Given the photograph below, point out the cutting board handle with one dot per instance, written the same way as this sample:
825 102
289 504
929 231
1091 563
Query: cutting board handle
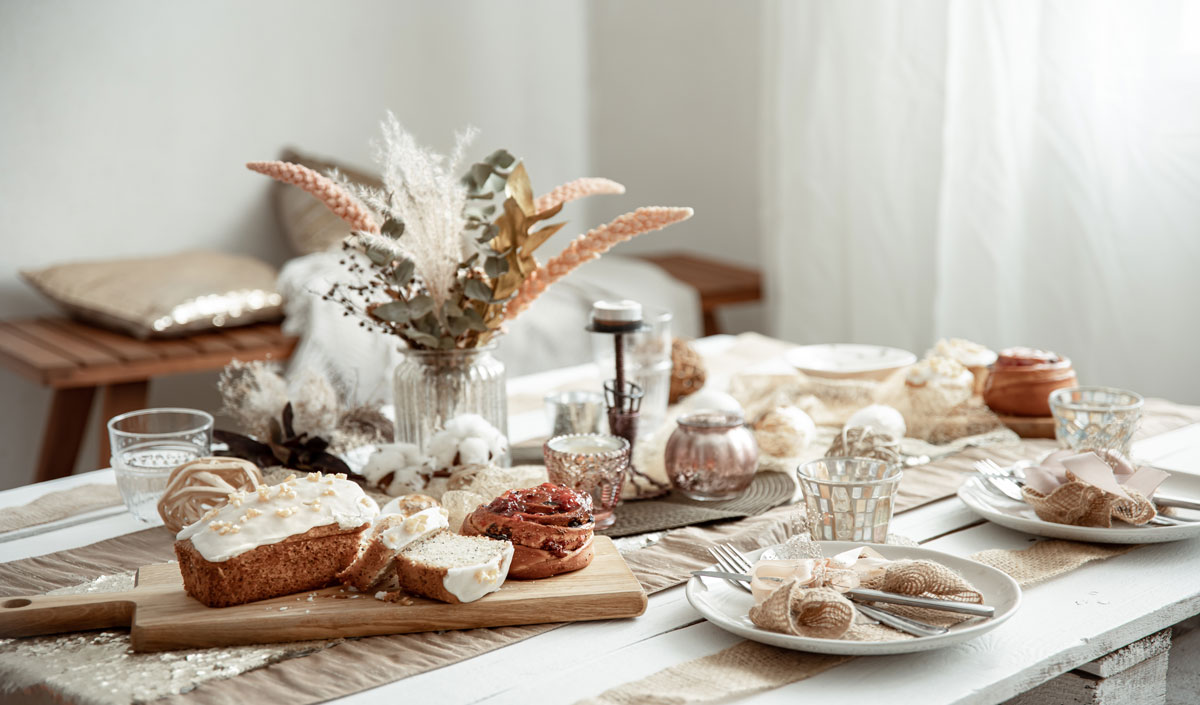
52 614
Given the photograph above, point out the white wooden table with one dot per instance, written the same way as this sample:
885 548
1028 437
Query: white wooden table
1061 625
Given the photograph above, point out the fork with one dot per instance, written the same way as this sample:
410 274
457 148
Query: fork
1000 479
733 561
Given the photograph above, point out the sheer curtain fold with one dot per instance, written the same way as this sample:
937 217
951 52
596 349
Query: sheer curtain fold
1018 173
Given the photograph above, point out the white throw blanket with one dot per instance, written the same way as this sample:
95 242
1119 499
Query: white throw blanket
549 335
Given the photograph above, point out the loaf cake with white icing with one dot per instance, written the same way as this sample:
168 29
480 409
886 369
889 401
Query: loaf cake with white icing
454 568
391 534
280 539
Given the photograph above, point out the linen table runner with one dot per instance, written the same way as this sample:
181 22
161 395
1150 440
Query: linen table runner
53 506
750 667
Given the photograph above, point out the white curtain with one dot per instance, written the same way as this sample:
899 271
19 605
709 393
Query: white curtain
1017 173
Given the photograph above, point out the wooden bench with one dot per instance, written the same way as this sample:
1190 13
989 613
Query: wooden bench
74 360
718 283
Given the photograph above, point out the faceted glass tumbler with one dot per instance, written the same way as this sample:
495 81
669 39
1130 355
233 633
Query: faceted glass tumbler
433 386
1096 418
849 499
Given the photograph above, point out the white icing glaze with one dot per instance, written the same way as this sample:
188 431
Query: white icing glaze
879 417
471 438
469 583
273 513
415 527
410 467
964 351
939 370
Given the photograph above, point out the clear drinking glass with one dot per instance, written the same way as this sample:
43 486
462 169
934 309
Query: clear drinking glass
147 445
576 411
591 463
849 499
1096 418
433 386
647 362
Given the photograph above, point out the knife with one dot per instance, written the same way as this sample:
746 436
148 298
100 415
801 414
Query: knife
878 596
1175 502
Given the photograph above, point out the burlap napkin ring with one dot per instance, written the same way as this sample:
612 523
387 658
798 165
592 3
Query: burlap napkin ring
818 613
1080 504
925 579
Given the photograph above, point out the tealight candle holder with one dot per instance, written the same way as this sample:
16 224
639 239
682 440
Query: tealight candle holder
593 463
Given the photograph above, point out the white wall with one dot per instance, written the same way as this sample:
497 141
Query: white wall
124 126
677 95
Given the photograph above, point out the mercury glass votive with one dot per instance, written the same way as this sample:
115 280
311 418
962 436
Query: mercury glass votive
849 499
1096 418
711 455
576 411
593 463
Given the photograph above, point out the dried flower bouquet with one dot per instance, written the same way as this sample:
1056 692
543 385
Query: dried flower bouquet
434 259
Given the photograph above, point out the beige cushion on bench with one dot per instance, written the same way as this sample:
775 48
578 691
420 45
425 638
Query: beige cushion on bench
164 296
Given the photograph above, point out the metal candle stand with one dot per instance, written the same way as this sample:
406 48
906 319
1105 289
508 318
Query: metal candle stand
623 398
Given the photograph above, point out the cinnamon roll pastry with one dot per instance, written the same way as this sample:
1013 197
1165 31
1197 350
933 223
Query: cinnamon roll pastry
550 527
1022 379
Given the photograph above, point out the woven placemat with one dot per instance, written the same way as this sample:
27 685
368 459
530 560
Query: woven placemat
767 491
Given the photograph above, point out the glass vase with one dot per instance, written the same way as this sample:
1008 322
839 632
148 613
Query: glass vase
432 387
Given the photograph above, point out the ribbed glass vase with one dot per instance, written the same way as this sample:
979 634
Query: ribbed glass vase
433 386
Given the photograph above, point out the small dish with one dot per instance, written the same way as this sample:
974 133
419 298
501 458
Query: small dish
1019 516
849 360
728 607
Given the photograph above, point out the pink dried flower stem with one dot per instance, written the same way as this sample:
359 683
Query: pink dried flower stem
590 246
335 198
579 188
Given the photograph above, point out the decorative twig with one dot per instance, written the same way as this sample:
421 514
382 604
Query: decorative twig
589 247
579 188
337 199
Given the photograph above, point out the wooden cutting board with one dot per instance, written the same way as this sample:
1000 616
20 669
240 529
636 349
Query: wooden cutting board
161 616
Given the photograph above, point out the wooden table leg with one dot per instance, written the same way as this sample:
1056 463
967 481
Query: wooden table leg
711 327
118 399
65 426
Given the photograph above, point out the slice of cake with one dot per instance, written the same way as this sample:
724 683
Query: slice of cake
280 539
392 533
454 568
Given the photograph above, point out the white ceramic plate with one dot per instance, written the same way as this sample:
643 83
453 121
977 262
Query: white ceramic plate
728 607
1019 516
842 360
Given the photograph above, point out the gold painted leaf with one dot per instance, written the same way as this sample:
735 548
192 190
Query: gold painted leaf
539 237
519 189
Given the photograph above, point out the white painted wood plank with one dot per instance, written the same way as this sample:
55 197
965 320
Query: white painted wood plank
526 661
934 519
1180 443
71 537
27 493
593 674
